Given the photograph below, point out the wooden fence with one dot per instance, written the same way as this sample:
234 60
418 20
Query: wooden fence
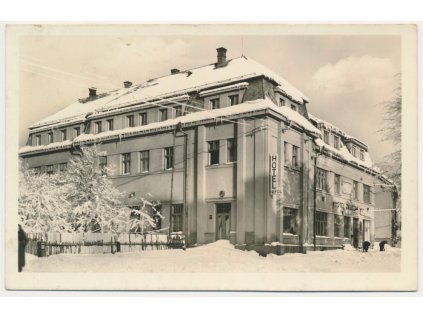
47 244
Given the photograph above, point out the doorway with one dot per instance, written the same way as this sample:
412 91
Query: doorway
366 228
223 221
355 232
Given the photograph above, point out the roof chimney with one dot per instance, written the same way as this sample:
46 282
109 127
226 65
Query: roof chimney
174 71
93 91
221 56
127 84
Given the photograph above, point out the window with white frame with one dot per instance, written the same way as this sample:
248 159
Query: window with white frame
63 135
326 136
355 190
97 127
361 154
126 163
336 142
366 193
144 161
215 103
130 121
38 140
177 216
143 119
233 100
49 138
110 124
63 166
354 151
337 184
337 224
102 164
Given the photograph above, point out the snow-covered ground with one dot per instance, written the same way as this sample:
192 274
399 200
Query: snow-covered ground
220 256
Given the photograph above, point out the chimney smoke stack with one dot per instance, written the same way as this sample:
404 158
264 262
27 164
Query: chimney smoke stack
221 56
127 84
92 91
174 71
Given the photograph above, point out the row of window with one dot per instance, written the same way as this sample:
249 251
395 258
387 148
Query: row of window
232 100
322 184
63 136
291 155
282 102
290 223
176 218
214 151
50 169
356 152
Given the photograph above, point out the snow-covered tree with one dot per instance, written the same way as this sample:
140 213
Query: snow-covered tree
42 204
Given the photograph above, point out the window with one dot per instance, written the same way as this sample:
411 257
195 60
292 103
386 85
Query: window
177 213
223 208
63 167
37 170
290 224
38 140
63 136
178 111
168 158
336 142
355 190
281 102
76 131
233 100
326 136
110 124
98 127
130 121
144 161
162 114
337 225
354 151
366 193
361 154
143 119
293 107
126 163
49 169
49 138
347 232
285 153
214 152
215 103
321 223
321 179
337 184
231 150
102 164
294 157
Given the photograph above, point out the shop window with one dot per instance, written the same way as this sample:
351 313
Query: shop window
231 143
214 152
177 217
347 231
168 158
143 119
126 163
110 125
233 100
337 225
321 179
321 223
215 103
290 223
144 161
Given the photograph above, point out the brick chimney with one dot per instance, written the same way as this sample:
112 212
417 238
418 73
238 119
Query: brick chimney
127 84
174 71
92 91
221 56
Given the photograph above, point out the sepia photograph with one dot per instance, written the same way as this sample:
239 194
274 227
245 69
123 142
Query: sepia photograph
211 157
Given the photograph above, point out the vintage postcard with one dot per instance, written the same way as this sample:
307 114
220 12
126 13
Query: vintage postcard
211 157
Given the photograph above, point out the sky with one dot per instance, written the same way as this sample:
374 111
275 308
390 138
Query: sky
346 77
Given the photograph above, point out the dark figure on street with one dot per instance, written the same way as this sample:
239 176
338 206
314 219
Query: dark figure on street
382 246
366 245
21 248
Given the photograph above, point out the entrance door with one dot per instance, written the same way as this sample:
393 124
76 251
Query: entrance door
355 232
223 221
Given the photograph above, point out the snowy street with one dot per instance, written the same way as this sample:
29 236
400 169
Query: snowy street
219 256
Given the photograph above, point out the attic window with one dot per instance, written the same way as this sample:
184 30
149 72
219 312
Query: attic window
233 99
354 151
293 107
215 103
326 136
362 154
336 142
281 102
38 140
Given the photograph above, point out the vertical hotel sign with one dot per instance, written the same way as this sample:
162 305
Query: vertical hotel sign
274 175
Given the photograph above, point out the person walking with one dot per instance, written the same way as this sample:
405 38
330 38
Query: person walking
22 240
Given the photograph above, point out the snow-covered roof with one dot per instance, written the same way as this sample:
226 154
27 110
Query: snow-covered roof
196 79
192 118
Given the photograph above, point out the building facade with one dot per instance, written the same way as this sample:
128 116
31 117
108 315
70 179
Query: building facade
230 151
